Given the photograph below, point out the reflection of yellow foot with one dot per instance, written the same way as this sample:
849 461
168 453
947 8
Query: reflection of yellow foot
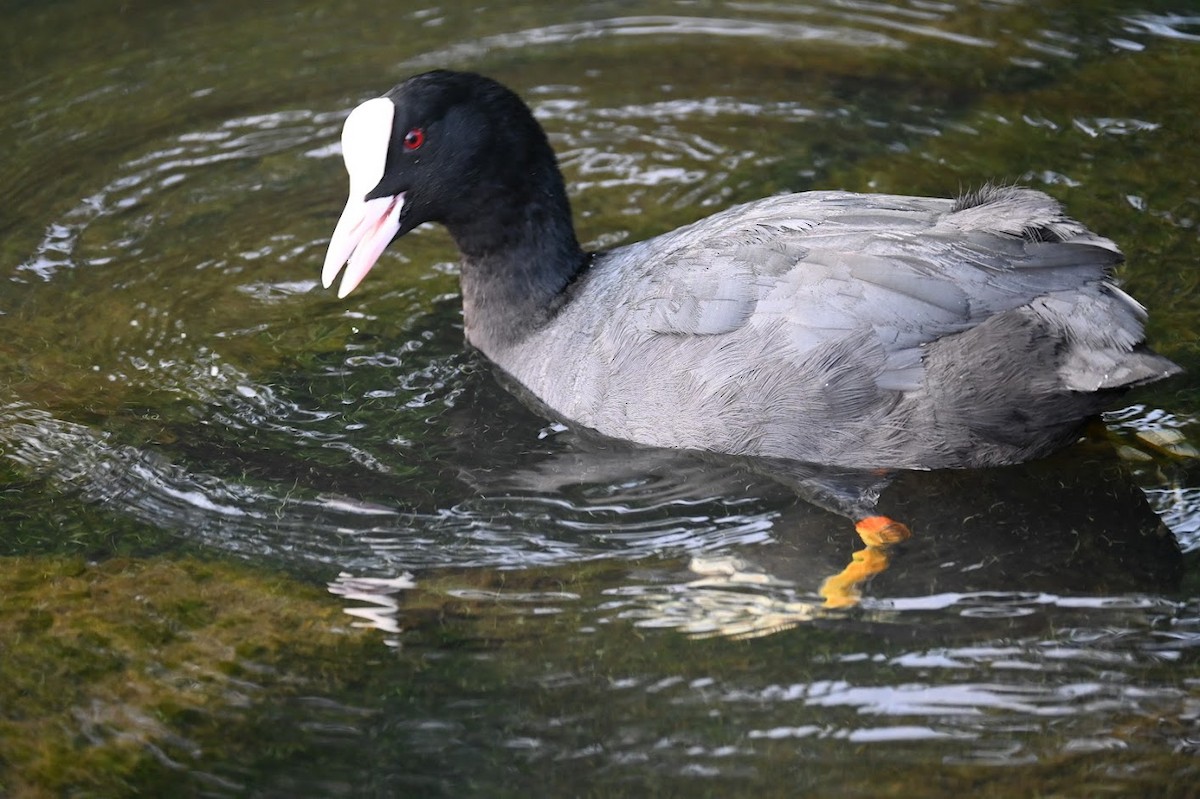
878 531
842 589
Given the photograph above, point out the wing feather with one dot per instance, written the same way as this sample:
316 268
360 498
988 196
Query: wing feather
825 265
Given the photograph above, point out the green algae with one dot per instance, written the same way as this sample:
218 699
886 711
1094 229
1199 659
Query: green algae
118 672
152 676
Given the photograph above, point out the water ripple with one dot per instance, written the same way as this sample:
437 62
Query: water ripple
1178 27
875 15
291 522
652 26
144 179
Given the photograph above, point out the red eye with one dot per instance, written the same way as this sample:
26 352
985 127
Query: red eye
414 139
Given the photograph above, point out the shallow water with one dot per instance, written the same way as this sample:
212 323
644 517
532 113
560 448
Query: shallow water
259 541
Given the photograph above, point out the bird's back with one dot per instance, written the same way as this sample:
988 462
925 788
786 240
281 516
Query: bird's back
861 330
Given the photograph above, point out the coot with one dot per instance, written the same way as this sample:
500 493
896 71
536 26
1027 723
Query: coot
859 330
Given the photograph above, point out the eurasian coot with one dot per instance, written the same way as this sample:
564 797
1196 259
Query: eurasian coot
859 330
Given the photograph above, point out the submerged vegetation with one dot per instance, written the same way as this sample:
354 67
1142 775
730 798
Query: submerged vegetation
120 674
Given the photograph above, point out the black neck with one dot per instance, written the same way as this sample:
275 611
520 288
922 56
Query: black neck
519 255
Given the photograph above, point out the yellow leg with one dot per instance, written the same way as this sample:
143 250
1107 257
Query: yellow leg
843 589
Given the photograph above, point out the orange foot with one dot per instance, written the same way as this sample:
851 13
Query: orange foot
843 589
879 531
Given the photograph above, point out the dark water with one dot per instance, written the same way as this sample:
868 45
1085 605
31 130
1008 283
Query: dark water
255 540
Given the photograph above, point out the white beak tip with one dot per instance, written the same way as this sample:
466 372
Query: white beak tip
362 233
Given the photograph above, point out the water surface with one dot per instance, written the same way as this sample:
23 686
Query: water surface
259 541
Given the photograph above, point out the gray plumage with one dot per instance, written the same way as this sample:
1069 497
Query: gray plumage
833 328
846 329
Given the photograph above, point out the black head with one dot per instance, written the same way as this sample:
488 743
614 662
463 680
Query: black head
449 147
461 145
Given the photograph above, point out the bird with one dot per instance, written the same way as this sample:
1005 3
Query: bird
865 331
